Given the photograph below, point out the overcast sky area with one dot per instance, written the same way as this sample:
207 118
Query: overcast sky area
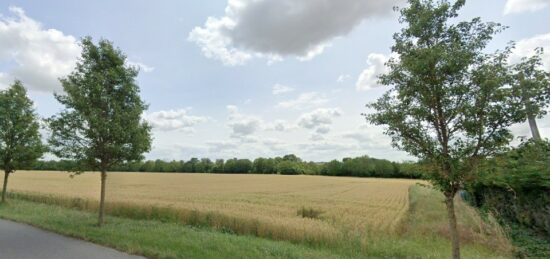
244 78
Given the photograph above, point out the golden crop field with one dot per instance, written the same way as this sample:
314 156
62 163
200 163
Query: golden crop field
358 204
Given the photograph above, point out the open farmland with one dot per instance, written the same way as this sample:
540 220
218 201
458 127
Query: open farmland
356 216
271 201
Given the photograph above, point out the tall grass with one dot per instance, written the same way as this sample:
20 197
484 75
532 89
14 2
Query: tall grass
420 232
210 219
427 218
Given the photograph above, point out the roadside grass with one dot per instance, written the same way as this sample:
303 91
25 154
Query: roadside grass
155 239
155 233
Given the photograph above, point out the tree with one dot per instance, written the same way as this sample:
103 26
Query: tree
289 167
101 125
531 86
20 141
449 103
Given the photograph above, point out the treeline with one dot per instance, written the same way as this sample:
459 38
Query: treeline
287 165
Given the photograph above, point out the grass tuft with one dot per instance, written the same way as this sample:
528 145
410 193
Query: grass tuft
309 213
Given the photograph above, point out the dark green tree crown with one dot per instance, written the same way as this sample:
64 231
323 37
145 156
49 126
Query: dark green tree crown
450 101
20 140
101 125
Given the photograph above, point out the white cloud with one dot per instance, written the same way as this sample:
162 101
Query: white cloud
342 78
280 125
304 101
520 6
173 120
369 137
319 119
368 79
220 146
39 55
142 67
526 48
322 129
279 28
281 89
242 125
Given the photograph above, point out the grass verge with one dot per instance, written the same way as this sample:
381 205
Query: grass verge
155 239
159 233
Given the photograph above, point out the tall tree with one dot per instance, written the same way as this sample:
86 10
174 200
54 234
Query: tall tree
101 125
532 88
20 141
449 103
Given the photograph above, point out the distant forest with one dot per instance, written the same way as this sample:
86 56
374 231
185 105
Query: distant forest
363 166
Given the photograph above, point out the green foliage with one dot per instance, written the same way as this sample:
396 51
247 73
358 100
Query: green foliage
238 166
449 104
289 167
101 125
531 85
516 186
264 166
358 167
20 141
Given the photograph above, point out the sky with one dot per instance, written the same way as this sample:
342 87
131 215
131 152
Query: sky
244 78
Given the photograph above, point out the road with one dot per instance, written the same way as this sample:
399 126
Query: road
19 241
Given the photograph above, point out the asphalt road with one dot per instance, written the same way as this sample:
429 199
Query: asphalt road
19 241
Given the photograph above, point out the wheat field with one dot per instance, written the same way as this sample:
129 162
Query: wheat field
272 202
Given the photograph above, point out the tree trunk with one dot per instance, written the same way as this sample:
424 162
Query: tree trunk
4 190
453 230
102 199
534 128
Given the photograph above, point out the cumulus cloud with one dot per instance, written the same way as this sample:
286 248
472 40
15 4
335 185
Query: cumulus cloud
36 55
368 137
242 125
218 146
281 89
520 6
173 120
279 28
279 125
304 101
319 119
368 79
526 48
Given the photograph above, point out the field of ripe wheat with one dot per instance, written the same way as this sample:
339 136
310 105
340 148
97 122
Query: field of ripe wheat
282 207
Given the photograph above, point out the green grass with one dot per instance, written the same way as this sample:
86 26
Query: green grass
422 235
480 237
530 243
153 238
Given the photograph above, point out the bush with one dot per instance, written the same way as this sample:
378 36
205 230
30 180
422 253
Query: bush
516 186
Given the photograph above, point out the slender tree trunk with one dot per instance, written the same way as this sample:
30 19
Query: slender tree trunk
455 241
4 190
534 128
102 199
